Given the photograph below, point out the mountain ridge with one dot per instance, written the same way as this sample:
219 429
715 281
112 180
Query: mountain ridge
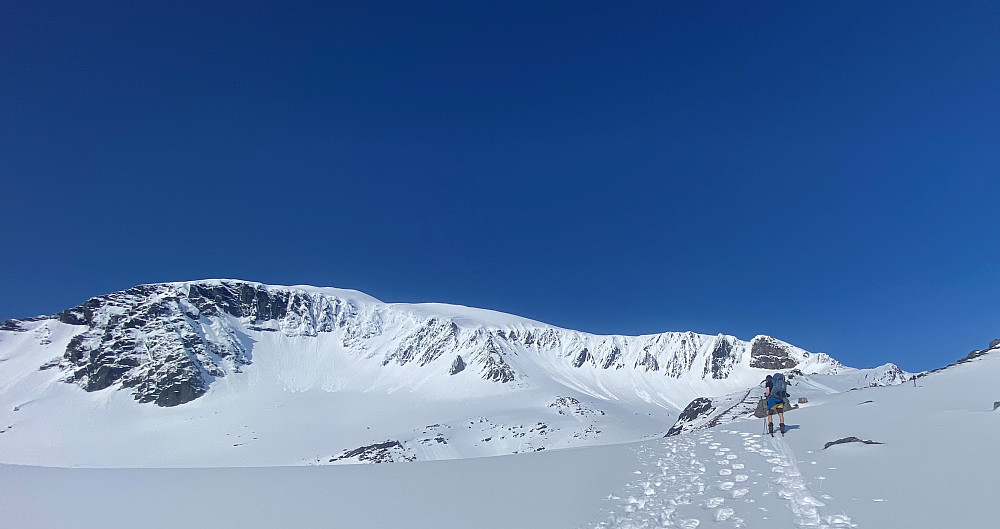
168 342
216 372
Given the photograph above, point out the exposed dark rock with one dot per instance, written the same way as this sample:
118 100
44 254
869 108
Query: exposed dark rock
457 366
144 338
683 360
582 358
767 353
612 358
385 452
849 440
994 344
546 339
721 361
429 341
494 366
696 408
572 406
649 362
83 314
12 325
240 299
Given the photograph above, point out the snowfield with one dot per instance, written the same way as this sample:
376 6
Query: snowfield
295 395
257 375
935 434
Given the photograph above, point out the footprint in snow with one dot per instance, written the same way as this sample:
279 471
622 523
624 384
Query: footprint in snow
681 499
809 501
712 503
724 514
727 485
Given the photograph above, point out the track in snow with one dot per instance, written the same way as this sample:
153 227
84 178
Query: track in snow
716 479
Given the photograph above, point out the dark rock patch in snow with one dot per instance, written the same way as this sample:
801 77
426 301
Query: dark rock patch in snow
385 452
698 407
850 440
457 366
583 358
572 406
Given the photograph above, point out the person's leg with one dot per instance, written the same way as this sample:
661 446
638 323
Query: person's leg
781 416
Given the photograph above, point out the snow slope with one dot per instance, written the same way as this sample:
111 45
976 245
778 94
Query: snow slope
225 373
935 468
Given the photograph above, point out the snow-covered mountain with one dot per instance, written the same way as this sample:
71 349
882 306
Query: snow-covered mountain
356 378
874 457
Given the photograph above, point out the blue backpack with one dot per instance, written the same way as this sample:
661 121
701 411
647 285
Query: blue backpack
779 388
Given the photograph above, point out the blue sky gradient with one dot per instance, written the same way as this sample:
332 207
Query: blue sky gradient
824 172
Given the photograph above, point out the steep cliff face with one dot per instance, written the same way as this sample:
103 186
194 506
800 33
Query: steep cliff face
165 345
168 342
768 353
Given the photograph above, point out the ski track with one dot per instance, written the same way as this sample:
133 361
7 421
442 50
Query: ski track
695 480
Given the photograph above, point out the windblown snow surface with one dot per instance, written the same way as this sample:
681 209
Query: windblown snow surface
256 450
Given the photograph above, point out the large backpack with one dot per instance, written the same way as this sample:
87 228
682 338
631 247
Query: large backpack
779 389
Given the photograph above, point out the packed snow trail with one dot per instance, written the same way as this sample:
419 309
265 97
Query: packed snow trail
804 506
715 478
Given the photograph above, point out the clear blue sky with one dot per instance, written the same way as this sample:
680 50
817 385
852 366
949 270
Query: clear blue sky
824 172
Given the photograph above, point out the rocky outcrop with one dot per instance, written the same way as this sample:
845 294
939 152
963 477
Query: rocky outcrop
18 325
722 359
154 340
768 353
426 343
849 440
457 366
695 410
386 452
582 358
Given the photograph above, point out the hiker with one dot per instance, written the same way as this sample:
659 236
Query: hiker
775 401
